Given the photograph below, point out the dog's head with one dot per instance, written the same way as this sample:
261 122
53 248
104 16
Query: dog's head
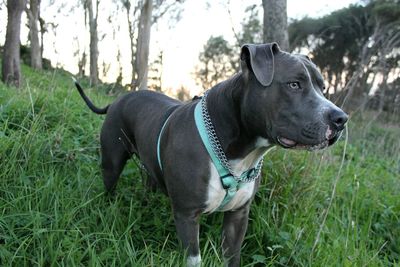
284 100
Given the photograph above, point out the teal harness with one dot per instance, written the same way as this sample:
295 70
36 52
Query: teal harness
168 113
230 182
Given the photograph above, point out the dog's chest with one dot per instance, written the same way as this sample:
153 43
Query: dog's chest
216 193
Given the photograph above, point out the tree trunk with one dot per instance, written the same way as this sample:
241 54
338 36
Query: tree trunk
94 50
275 23
143 45
33 19
131 29
43 30
11 70
82 65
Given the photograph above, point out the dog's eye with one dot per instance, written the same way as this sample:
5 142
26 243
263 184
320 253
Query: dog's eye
294 85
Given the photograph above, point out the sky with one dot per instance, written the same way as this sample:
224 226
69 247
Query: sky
181 43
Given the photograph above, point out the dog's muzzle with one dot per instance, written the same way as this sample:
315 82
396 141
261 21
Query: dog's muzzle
318 138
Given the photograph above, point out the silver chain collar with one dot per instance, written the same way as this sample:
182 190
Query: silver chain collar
217 148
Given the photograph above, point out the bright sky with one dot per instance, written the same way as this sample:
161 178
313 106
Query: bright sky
180 44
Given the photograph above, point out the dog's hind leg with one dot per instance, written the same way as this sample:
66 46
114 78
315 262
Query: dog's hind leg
112 168
113 159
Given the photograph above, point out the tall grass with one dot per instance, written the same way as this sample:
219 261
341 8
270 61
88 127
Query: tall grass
53 210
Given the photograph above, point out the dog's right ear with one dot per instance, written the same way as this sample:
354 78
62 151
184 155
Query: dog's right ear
259 59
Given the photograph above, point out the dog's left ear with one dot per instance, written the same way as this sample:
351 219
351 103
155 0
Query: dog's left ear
259 59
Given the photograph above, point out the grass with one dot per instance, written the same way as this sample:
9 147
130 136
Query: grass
53 210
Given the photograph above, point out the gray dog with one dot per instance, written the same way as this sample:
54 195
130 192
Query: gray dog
206 155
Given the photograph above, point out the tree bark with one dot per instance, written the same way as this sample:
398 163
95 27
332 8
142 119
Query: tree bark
81 65
131 29
275 23
143 45
33 19
11 70
94 40
43 30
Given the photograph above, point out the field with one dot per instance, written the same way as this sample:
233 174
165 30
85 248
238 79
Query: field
337 207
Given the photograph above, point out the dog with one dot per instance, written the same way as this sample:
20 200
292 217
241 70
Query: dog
206 155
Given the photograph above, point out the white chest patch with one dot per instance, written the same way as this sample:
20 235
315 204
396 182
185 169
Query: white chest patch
216 193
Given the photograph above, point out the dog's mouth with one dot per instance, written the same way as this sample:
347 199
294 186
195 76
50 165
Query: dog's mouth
289 143
330 138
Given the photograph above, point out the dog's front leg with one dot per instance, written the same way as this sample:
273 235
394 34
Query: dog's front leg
187 227
234 229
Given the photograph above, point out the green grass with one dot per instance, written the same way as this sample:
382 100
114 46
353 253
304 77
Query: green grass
53 210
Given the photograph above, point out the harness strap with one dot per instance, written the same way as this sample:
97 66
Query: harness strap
198 117
231 186
168 116
229 183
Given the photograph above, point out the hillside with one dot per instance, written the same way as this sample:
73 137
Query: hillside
53 210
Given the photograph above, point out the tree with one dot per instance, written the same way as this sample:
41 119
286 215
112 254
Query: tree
140 18
132 21
355 47
48 27
33 12
156 72
252 29
143 44
94 40
11 70
43 30
183 94
216 62
219 59
275 22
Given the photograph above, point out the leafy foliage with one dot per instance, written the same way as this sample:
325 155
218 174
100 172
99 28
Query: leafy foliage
252 28
354 47
216 63
219 59
335 39
155 73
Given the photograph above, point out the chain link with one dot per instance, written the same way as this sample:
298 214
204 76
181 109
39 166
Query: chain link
217 148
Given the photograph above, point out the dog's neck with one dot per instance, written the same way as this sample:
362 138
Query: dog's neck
235 139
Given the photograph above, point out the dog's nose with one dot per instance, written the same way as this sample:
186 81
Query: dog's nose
338 119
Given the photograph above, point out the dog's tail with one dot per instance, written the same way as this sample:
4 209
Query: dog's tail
88 102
